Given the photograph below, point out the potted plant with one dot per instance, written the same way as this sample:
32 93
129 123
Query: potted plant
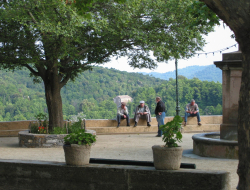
168 156
77 147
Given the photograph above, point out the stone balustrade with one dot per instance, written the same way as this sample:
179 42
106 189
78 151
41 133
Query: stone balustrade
108 126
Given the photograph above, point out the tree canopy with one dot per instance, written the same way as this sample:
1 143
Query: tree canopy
56 43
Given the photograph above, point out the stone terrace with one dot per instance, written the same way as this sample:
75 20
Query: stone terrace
108 126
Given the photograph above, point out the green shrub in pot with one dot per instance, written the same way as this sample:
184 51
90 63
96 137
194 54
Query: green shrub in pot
80 138
172 132
168 156
77 147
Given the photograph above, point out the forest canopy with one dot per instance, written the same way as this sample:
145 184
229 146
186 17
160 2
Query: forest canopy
93 92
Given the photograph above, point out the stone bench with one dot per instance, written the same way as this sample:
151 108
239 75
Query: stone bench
209 123
205 119
108 126
18 174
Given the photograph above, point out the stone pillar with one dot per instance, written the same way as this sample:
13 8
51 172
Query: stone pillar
231 66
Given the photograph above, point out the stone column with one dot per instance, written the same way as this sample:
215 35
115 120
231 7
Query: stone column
231 66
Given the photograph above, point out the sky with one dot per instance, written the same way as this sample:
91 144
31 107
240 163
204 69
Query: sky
217 40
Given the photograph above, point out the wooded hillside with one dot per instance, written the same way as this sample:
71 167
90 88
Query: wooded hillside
93 92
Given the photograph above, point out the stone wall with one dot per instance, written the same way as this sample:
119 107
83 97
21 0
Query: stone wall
29 175
12 128
31 140
108 126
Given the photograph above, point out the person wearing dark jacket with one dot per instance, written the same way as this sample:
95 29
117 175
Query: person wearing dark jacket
160 114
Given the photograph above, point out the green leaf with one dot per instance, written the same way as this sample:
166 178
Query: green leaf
171 132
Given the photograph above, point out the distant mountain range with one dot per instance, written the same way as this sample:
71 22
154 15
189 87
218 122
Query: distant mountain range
208 73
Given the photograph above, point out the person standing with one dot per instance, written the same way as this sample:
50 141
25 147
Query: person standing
160 114
122 113
142 111
192 110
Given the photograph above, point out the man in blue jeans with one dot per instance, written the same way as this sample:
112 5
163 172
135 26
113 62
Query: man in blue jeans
192 110
160 114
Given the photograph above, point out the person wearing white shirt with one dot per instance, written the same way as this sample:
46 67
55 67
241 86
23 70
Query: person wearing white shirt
122 113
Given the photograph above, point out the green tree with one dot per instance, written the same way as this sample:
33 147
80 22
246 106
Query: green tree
209 110
2 112
19 117
218 110
189 89
7 117
55 41
87 107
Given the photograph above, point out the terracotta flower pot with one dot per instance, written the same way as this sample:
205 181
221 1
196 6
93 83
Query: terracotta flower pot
77 155
166 158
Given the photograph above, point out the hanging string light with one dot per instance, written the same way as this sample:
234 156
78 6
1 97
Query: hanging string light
220 50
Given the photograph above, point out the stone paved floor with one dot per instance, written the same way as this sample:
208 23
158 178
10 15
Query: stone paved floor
127 147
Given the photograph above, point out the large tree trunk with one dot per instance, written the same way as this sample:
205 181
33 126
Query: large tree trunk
54 104
53 99
244 120
235 13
